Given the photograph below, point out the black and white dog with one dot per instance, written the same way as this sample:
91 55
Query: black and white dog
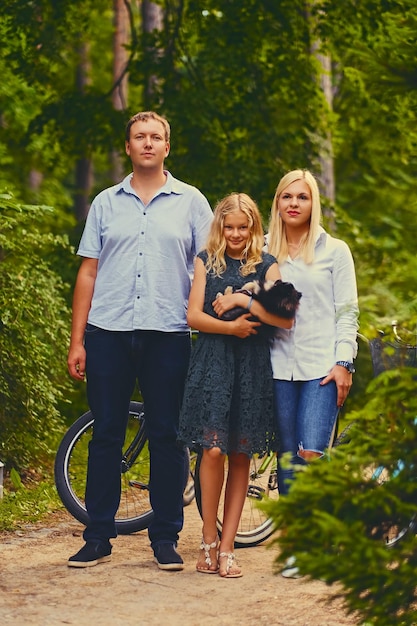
279 298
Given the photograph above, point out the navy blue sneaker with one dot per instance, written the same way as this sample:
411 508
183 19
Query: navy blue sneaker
166 556
91 554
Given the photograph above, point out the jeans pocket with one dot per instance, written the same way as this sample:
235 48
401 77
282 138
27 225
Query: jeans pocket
90 329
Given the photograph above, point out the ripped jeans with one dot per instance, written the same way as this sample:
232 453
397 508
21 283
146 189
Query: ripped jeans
305 414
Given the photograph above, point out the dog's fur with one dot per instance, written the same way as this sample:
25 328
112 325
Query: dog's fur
279 298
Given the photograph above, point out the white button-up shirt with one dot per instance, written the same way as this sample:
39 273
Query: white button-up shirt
145 254
326 321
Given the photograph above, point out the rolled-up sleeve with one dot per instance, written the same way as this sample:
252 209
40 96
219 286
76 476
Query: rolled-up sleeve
346 304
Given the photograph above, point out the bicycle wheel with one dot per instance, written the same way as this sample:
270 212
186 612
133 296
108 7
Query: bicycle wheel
189 489
254 526
392 527
70 470
397 533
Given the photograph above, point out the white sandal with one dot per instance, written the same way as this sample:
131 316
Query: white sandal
231 560
206 547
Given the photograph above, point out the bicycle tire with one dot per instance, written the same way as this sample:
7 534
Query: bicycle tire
391 528
344 437
255 526
70 470
189 488
398 533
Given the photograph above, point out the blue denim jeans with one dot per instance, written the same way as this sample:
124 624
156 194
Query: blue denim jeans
115 362
306 414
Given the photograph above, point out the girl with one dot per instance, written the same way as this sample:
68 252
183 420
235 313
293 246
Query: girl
312 362
228 400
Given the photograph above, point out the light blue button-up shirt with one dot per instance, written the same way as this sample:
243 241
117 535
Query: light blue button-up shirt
145 255
326 321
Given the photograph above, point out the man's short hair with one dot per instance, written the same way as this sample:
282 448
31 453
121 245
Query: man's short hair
144 116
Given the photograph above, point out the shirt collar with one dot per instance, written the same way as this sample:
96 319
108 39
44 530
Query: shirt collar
321 233
172 185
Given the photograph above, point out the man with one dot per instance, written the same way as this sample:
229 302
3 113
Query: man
129 324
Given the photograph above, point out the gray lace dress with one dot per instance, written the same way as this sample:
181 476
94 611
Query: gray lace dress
228 398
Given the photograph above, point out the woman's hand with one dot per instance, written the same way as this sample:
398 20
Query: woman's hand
343 380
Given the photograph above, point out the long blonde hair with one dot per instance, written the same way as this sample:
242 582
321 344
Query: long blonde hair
277 238
216 243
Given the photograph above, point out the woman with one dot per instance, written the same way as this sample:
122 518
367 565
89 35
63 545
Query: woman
313 361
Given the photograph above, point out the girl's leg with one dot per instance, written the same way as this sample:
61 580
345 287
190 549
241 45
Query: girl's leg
234 499
211 483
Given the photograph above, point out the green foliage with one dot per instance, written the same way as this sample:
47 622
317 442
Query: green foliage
26 504
47 122
243 130
337 513
241 87
34 328
372 45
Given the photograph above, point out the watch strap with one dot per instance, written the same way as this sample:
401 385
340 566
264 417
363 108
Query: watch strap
347 365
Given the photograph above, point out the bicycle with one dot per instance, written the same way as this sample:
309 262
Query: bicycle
255 526
70 471
135 512
389 354
394 529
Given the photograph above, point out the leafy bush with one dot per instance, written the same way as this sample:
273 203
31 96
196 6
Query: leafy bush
335 518
34 326
25 503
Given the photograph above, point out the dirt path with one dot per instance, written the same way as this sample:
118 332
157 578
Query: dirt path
38 589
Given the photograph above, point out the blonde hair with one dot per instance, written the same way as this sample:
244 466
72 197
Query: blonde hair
277 238
216 243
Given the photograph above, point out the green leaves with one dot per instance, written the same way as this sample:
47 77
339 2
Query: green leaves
26 505
338 513
34 326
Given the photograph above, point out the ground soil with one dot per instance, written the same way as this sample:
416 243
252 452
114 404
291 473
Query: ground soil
38 589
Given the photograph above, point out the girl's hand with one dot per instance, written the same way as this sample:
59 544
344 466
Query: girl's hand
226 302
242 327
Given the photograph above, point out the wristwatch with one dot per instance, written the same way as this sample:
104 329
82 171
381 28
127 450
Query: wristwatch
348 365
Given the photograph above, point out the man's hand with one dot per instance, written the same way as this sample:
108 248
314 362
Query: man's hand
76 362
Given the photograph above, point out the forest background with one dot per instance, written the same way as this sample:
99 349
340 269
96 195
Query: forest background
252 89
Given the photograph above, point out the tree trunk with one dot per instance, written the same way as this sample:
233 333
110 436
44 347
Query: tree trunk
326 160
83 183
120 75
152 19
83 166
